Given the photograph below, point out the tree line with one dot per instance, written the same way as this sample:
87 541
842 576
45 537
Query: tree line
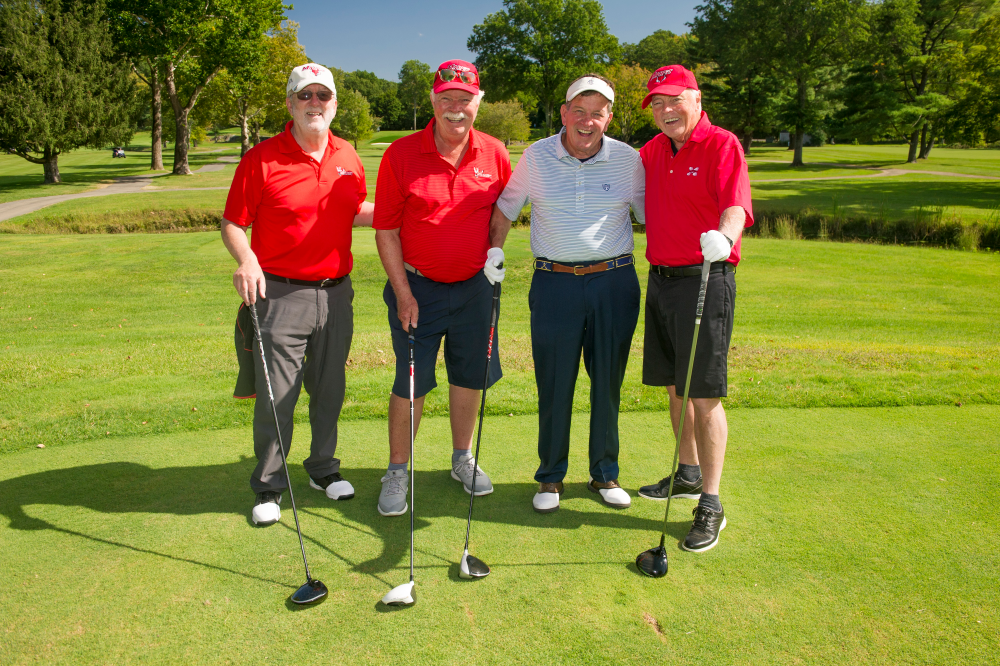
79 73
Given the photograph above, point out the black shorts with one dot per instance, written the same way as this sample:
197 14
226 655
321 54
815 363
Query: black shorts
459 312
671 304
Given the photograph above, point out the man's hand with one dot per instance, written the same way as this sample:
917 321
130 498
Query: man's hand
494 265
715 246
247 279
407 310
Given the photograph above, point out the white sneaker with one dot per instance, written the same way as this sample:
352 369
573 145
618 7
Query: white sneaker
392 498
463 471
336 487
546 500
266 510
612 494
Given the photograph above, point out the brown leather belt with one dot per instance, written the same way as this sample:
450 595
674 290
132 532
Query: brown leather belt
584 268
322 284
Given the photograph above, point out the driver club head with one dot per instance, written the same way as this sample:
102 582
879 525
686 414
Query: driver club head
401 595
652 562
473 567
313 592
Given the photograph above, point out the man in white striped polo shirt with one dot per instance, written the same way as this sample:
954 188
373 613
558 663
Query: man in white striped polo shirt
584 293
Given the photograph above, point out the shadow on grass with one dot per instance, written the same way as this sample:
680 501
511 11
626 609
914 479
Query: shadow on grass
123 487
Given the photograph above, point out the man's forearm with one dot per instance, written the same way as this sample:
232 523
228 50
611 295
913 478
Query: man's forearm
234 237
732 221
365 215
390 251
499 227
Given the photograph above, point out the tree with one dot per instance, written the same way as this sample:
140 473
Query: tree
415 81
661 48
980 120
630 89
246 96
62 86
740 87
354 121
539 46
195 39
505 121
804 40
381 95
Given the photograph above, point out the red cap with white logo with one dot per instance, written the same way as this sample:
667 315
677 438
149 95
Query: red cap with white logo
456 74
670 80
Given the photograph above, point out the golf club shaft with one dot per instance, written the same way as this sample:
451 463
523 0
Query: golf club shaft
411 342
277 429
702 290
495 308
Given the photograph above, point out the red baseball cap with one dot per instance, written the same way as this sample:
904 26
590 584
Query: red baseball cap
670 80
456 74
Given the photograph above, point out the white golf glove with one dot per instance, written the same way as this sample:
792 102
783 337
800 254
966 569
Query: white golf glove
494 261
715 246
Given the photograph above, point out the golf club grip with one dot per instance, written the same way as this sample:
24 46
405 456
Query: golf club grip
703 289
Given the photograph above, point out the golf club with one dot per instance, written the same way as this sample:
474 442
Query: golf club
313 592
402 595
473 567
653 562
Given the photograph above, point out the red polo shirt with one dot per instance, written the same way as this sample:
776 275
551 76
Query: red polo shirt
687 192
443 213
302 211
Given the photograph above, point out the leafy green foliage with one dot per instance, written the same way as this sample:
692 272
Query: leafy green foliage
381 96
415 81
505 121
539 46
354 121
660 49
62 85
630 119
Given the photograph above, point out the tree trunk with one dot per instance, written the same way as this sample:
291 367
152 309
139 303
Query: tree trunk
548 117
244 134
914 145
414 118
798 140
925 148
156 159
50 164
255 132
747 140
182 135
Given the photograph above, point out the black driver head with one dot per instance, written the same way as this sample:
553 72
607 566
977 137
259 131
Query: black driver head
474 568
653 562
313 592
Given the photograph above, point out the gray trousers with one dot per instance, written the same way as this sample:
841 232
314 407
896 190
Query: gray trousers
307 337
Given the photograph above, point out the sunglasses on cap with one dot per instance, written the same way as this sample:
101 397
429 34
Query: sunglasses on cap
321 95
448 75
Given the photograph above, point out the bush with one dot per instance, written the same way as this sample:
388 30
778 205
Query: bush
132 221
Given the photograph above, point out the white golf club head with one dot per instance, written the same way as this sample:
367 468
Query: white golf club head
472 567
401 595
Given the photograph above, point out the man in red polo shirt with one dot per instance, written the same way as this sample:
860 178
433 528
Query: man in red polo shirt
302 191
433 201
697 204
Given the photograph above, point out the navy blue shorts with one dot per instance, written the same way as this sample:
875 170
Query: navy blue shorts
460 313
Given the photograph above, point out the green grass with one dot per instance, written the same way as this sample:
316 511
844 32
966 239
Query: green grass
973 162
126 334
856 536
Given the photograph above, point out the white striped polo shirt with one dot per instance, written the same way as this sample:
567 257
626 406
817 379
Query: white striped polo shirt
579 210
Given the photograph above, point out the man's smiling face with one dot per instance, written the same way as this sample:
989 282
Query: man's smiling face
313 115
677 116
586 118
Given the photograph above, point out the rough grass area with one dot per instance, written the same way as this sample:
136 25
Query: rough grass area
855 536
129 220
130 334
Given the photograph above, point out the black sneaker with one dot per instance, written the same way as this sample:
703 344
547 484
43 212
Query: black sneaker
336 486
704 532
682 489
265 509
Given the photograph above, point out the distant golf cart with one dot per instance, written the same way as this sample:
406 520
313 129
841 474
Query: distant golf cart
118 151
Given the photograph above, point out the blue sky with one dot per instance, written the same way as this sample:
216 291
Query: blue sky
380 36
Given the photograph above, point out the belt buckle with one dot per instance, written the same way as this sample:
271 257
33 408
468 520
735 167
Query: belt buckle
326 282
578 266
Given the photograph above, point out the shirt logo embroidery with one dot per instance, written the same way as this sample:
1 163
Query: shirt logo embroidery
479 173
607 187
692 171
344 172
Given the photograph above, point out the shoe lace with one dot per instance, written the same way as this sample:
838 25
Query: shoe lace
702 517
396 485
469 467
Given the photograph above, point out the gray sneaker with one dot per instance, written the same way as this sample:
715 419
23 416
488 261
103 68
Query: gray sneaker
463 471
392 499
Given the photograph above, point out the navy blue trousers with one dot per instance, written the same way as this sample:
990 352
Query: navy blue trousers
594 314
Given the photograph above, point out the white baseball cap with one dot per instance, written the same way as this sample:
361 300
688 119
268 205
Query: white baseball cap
585 83
305 75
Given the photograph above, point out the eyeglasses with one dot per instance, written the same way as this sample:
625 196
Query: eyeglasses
321 95
449 75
